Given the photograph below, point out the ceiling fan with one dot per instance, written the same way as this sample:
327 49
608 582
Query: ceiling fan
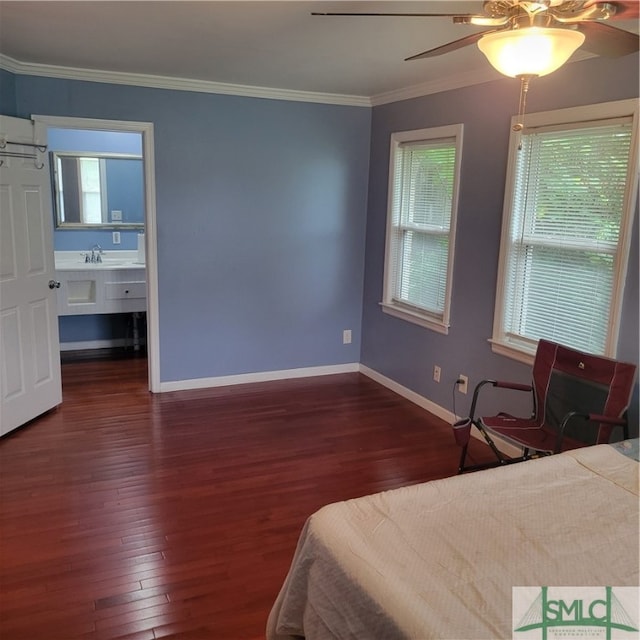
584 18
531 38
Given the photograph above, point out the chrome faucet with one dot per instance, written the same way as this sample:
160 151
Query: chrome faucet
96 254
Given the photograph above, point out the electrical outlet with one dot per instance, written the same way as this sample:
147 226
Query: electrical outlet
436 373
346 336
116 216
116 237
463 383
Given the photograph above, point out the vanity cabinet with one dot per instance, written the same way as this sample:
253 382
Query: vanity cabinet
101 290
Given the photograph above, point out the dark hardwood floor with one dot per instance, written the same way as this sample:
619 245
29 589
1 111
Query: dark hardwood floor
130 515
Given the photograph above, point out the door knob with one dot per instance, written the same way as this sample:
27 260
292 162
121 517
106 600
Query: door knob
54 284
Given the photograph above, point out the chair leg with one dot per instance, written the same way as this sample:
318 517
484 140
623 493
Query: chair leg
491 443
463 455
500 459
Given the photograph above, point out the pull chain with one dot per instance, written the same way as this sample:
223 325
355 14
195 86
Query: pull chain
524 89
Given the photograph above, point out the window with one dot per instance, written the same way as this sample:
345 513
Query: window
423 193
566 227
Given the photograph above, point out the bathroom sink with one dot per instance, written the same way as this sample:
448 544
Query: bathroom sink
71 260
107 263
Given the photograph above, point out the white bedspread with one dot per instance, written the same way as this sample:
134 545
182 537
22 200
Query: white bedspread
439 560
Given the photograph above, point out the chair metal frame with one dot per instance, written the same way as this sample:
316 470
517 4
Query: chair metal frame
533 435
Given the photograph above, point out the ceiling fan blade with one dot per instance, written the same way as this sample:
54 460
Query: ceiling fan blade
625 9
450 46
608 41
399 15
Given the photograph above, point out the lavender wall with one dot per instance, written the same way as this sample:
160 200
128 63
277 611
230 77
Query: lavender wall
125 188
407 353
98 327
261 212
7 93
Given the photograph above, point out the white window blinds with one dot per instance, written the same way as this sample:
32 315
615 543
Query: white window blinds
566 216
421 213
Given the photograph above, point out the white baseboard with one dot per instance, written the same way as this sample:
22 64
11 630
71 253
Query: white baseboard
261 376
432 407
416 398
94 344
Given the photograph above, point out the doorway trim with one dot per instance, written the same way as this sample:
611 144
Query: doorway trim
151 252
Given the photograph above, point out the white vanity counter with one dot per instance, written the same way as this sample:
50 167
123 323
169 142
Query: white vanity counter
75 260
115 285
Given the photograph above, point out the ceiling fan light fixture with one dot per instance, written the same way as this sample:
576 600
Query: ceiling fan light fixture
530 51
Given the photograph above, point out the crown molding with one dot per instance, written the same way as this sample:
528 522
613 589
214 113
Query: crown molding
8 64
456 81
177 84
439 85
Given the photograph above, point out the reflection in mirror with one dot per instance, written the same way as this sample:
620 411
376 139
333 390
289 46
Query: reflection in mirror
95 190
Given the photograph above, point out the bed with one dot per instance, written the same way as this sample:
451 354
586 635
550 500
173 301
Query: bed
439 560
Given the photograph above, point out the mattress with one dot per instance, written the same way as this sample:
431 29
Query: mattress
439 560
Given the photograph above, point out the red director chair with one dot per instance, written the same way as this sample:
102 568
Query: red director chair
578 399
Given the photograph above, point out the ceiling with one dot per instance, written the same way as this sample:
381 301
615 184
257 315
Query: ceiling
275 45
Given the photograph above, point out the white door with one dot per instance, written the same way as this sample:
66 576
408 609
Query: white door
30 381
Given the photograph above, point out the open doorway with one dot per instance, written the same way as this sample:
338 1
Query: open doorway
108 229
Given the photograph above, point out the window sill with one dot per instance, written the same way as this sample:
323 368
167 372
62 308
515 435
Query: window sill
521 354
415 318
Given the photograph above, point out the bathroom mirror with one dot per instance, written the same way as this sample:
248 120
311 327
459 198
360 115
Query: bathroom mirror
98 190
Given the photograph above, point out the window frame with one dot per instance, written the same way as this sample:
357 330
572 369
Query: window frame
521 348
390 305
